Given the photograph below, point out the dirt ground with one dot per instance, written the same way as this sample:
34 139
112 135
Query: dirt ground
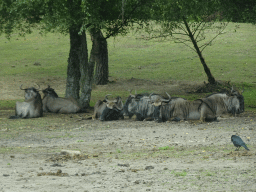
125 155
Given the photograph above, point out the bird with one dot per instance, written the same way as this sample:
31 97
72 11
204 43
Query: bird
238 142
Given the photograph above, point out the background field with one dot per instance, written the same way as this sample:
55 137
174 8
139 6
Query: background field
159 62
128 155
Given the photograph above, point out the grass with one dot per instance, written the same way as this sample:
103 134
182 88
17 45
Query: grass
178 174
230 58
166 148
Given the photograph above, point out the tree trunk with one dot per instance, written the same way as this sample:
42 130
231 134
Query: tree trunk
86 69
206 69
73 70
99 55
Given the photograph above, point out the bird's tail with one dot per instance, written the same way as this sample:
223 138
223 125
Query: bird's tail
246 147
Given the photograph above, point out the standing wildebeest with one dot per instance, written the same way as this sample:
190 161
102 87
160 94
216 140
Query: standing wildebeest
140 105
108 110
205 109
31 107
238 142
53 103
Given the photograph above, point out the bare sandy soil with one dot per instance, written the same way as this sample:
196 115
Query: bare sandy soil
125 155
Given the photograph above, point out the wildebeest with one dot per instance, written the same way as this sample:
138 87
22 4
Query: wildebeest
140 105
55 104
108 110
176 108
32 107
238 142
222 103
205 109
240 97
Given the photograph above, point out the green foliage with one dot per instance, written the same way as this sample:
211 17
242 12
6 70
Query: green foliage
239 11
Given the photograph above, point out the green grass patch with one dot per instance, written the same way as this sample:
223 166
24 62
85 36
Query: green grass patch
179 174
118 151
231 57
166 148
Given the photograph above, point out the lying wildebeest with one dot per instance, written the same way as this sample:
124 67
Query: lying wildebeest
32 106
140 105
222 103
108 110
175 107
55 104
205 109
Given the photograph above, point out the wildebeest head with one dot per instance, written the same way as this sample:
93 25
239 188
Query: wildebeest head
240 97
131 103
50 91
108 110
114 104
163 108
140 105
31 107
30 93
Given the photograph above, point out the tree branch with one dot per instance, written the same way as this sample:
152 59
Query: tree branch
220 33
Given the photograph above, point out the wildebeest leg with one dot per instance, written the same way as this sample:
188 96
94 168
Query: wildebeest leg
211 119
176 119
139 117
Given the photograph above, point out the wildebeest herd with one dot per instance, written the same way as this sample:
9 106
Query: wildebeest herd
144 106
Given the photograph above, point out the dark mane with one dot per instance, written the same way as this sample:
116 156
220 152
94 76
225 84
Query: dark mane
50 91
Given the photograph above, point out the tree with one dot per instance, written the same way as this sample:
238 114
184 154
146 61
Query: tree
239 11
114 20
99 56
187 21
73 17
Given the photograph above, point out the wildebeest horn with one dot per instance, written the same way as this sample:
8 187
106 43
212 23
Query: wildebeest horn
21 87
106 97
168 95
150 96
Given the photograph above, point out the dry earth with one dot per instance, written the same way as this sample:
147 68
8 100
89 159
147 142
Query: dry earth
125 155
